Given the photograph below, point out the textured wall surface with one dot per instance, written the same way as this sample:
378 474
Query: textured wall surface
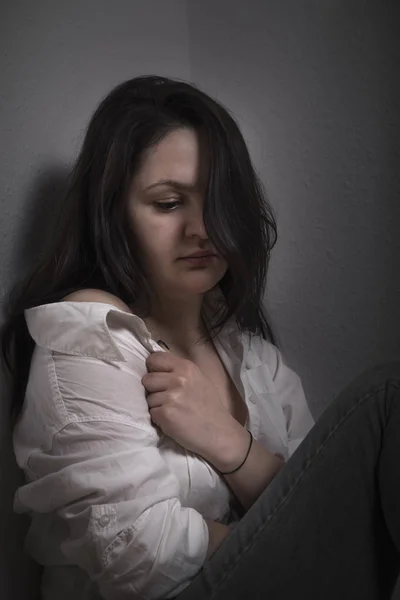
58 60
313 86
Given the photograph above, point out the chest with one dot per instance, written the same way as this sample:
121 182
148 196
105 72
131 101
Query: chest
211 365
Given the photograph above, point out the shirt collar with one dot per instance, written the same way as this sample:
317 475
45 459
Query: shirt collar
82 328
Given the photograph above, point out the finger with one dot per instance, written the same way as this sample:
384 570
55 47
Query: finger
155 382
155 401
155 415
165 361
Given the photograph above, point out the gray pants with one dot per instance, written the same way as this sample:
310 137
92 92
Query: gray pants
328 526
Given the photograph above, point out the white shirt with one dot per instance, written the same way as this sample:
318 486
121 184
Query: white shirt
118 507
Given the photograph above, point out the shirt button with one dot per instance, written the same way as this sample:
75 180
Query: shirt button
104 520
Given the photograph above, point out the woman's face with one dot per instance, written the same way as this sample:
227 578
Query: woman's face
168 233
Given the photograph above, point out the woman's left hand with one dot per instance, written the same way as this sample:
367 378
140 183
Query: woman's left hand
185 404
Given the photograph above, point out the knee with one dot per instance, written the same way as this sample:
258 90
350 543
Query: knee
385 371
377 375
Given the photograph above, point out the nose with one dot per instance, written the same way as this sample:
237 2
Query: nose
195 223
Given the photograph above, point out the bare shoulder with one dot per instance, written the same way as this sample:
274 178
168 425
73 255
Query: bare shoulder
93 295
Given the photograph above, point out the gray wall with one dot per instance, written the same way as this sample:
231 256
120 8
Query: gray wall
312 85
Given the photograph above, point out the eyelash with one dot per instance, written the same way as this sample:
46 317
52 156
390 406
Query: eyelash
164 206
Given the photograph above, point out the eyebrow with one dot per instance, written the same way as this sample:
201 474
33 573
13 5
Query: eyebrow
179 185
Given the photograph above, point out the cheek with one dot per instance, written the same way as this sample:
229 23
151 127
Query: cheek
159 246
158 236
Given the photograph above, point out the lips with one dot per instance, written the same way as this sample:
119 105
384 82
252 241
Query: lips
199 255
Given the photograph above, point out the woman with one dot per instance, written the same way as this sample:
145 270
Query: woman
168 450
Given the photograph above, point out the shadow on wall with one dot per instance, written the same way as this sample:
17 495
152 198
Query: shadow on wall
42 207
19 574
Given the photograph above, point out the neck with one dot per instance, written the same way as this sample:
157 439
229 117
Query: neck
179 326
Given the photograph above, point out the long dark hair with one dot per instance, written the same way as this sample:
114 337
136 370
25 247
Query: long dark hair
94 245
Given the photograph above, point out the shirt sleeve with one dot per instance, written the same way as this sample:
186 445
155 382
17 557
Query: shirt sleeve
299 420
289 390
104 477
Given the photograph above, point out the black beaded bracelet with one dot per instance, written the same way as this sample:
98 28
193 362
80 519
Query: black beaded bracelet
251 441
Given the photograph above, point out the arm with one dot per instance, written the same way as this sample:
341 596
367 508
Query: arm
101 472
217 533
261 465
255 474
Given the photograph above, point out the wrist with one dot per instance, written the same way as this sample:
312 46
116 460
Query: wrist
233 450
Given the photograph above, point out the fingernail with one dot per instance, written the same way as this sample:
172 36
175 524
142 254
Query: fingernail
161 343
